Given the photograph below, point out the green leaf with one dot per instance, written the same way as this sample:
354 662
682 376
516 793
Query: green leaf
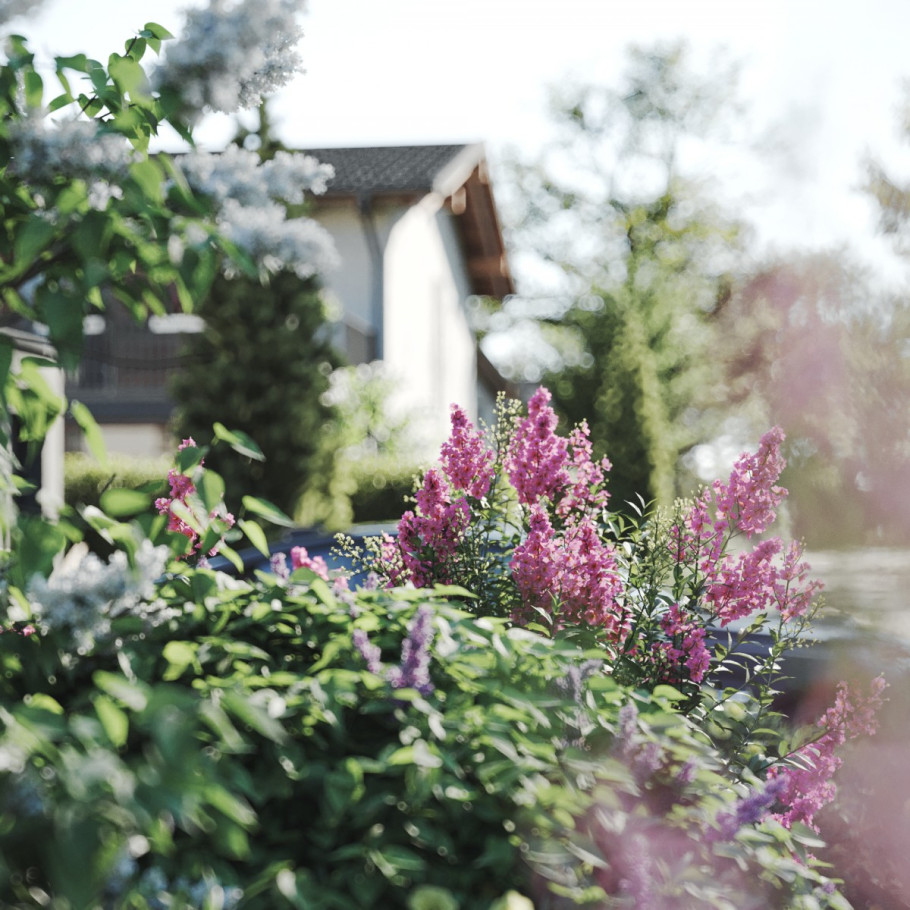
6 359
255 535
149 177
63 316
230 554
155 31
79 62
123 503
265 509
239 441
211 490
253 716
34 89
179 655
128 75
189 457
134 695
114 720
45 703
392 860
39 545
94 438
31 239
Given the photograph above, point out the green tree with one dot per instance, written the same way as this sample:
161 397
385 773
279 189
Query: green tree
641 257
261 366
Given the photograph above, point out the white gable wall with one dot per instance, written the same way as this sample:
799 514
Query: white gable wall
351 283
428 343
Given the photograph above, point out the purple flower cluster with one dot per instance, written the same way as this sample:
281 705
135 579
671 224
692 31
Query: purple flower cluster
809 787
413 672
414 669
750 810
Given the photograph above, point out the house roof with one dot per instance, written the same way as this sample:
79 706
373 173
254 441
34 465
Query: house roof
458 173
399 169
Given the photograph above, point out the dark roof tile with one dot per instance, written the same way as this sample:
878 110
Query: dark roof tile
386 169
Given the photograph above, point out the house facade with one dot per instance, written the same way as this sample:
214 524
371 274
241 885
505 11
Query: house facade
418 234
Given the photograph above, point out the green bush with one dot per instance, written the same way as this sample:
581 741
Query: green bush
85 479
381 488
206 742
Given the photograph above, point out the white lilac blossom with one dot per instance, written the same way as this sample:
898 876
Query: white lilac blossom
43 150
240 174
231 55
274 241
10 9
244 188
79 602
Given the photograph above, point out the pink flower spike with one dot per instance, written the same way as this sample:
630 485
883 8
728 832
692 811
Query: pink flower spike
750 500
537 458
809 787
467 463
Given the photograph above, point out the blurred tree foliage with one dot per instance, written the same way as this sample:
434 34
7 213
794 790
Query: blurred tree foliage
370 447
641 258
261 365
810 346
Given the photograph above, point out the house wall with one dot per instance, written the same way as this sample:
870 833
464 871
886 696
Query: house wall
355 284
428 343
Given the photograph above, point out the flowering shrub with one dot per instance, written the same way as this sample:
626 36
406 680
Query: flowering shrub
530 510
529 716
187 512
523 522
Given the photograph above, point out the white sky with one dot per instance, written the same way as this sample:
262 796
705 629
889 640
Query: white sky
822 75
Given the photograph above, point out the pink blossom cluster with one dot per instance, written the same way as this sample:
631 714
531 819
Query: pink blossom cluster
567 568
747 503
536 461
300 559
465 459
809 787
765 577
182 487
756 581
586 489
24 631
750 499
428 537
686 643
572 570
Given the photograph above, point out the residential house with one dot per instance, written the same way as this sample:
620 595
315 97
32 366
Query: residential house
418 234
